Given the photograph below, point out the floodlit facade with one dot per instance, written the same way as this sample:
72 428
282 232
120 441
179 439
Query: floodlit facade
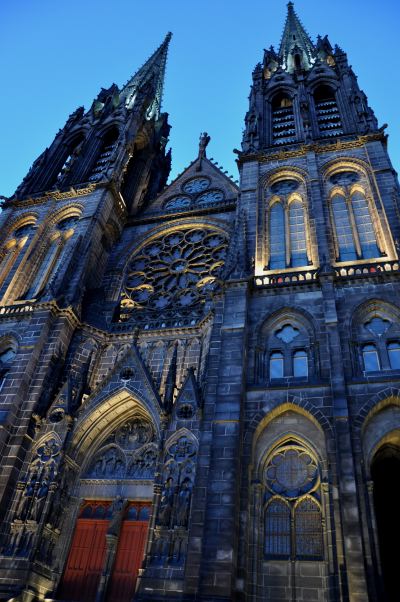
200 382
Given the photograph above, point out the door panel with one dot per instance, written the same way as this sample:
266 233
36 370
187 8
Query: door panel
128 560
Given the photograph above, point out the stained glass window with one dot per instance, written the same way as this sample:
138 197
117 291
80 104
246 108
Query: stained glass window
277 529
308 529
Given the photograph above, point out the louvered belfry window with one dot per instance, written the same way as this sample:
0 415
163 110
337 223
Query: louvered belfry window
283 124
327 111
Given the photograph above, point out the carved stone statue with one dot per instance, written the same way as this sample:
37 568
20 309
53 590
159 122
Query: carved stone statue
183 504
203 143
166 503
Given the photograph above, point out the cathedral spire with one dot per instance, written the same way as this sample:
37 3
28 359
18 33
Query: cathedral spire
296 50
152 74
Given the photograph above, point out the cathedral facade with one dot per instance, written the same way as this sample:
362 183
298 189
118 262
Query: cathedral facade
200 381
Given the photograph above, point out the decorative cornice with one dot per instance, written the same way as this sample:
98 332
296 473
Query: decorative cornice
52 195
315 147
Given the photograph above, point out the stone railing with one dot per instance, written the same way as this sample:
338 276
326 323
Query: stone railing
366 269
287 278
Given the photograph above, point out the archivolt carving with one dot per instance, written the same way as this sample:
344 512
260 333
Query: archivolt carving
128 446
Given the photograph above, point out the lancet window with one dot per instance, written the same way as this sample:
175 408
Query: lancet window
104 154
356 227
292 507
287 230
53 256
12 249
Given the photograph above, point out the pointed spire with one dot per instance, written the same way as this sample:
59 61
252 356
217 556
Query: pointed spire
295 41
151 73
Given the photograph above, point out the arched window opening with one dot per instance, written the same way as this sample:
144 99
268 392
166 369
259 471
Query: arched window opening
277 529
327 111
133 177
276 367
12 251
300 363
385 469
370 358
53 257
393 350
69 158
293 517
364 225
283 124
297 230
308 529
344 232
103 157
297 61
277 237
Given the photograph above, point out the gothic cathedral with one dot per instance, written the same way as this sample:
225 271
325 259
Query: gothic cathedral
200 382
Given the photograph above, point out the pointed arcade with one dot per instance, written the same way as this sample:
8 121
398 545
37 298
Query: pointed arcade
295 40
153 73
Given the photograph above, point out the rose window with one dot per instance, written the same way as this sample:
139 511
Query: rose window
174 273
291 472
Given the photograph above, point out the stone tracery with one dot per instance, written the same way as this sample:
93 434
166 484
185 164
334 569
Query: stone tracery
175 273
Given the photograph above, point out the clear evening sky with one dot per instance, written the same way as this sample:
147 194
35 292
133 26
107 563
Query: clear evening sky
56 55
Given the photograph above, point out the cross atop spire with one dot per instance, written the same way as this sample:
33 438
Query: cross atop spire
151 73
296 50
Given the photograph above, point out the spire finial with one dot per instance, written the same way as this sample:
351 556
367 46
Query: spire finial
152 72
297 49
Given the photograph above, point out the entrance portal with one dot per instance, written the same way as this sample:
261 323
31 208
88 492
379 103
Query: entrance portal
87 555
386 476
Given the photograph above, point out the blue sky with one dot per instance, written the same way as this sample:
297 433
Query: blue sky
56 55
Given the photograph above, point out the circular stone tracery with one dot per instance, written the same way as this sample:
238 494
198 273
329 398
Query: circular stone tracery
291 472
176 272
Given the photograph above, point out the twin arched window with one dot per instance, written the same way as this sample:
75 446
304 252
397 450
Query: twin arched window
287 353
288 234
355 230
378 344
292 515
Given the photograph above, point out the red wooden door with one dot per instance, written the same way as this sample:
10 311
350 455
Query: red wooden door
85 561
129 556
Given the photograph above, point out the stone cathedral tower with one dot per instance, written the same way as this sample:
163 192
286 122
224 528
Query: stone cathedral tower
200 382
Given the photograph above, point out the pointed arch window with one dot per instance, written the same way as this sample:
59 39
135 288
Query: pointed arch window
288 233
344 231
68 159
277 527
53 256
282 118
293 516
327 111
355 232
297 230
308 529
277 237
13 248
300 363
364 225
104 154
